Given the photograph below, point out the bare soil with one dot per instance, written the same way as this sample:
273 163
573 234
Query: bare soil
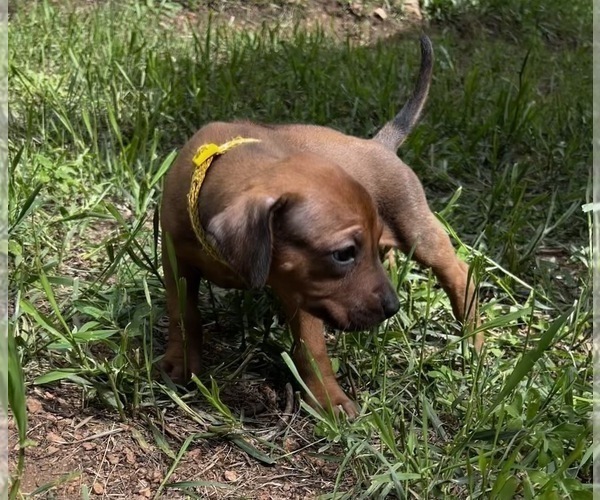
74 447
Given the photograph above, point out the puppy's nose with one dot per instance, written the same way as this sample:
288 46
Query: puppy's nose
390 304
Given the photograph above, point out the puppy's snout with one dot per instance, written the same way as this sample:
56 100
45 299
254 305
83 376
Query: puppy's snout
390 304
388 299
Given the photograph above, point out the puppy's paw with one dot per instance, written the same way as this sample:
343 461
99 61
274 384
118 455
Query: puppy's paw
333 397
175 370
178 366
349 407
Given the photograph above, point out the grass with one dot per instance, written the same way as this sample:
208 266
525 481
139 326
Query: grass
101 97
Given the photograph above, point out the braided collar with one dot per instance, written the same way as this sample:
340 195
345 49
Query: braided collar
202 161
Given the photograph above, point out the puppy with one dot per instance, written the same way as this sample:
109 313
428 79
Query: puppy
303 209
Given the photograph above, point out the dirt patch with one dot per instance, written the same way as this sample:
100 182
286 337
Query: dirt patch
73 448
362 21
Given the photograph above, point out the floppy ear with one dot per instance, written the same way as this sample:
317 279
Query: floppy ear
243 234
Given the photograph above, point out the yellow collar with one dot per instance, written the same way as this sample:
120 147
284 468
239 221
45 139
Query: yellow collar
202 161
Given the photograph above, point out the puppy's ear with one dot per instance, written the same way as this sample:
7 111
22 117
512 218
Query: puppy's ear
243 235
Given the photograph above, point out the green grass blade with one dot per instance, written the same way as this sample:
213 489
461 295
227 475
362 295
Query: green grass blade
175 463
18 406
528 360
26 208
164 167
244 445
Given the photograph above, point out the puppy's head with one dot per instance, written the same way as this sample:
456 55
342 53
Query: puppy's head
312 233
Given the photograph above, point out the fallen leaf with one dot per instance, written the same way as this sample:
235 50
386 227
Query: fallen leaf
146 492
230 475
380 13
33 405
137 435
129 456
55 438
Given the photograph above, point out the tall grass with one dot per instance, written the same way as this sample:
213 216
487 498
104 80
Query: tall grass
101 96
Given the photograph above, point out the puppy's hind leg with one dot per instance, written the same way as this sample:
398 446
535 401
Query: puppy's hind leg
420 232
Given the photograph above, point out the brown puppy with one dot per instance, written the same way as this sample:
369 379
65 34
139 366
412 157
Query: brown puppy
305 211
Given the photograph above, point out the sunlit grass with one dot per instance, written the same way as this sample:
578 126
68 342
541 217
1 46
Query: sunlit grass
101 97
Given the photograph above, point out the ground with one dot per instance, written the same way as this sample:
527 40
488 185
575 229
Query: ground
74 446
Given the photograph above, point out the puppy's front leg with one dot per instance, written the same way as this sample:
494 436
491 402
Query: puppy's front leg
182 357
314 365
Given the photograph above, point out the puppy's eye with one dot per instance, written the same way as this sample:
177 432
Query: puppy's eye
345 255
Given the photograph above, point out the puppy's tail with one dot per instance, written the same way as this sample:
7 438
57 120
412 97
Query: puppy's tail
394 132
